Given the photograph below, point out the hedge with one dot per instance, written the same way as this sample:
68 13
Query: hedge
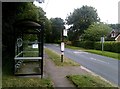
108 46
111 46
84 44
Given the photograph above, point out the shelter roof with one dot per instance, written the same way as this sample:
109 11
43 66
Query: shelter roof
27 23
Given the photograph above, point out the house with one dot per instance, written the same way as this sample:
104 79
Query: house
114 35
118 38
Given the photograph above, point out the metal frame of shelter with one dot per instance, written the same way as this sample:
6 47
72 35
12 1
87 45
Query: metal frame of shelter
20 28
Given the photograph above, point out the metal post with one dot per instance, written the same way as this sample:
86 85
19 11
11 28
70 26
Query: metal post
102 46
14 51
22 44
102 40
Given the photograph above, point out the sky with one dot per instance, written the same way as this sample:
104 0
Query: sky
107 9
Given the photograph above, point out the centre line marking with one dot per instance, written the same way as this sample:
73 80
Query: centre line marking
99 60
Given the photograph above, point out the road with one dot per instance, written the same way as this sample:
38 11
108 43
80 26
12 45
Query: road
101 65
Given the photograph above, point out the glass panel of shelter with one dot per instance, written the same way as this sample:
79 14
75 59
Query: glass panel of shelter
25 44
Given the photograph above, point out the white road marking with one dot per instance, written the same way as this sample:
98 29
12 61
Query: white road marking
99 60
79 52
76 52
93 58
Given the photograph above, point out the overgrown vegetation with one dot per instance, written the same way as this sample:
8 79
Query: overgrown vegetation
82 81
57 59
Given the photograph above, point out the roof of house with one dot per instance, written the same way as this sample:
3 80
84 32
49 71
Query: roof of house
117 36
115 30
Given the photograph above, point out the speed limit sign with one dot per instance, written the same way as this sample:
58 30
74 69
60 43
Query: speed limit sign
19 42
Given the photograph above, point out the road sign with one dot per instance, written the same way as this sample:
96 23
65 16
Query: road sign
102 39
35 46
65 32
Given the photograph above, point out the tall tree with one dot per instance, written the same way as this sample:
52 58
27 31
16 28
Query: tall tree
81 19
17 11
116 27
57 25
30 11
96 31
48 31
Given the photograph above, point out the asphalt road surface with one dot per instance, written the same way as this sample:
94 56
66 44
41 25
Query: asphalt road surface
103 66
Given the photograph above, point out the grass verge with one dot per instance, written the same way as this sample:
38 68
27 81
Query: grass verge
81 81
12 81
104 53
57 59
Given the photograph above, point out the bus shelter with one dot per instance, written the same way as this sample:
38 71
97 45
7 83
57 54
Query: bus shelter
28 38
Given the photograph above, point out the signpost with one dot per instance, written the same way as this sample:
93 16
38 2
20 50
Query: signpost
102 40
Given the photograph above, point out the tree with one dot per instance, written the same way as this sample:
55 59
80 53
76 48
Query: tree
30 11
115 26
81 19
96 31
17 11
57 25
48 31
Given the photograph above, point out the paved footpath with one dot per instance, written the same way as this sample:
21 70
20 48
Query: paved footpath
58 74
